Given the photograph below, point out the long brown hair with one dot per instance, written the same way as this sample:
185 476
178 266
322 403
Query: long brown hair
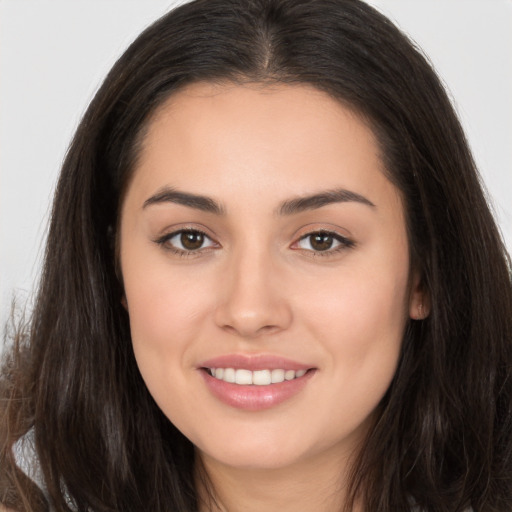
443 438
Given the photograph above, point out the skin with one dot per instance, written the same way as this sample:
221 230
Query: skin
257 286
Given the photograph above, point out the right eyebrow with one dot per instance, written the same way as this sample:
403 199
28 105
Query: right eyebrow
198 202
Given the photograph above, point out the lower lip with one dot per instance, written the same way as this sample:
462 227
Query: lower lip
253 397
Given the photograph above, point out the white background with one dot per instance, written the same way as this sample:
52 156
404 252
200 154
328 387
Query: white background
54 54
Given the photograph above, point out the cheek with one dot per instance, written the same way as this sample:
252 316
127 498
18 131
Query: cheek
361 321
161 308
361 329
372 314
167 312
166 307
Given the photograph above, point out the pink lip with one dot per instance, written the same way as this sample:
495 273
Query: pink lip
252 397
253 362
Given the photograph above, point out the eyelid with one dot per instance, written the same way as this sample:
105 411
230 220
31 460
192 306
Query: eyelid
173 229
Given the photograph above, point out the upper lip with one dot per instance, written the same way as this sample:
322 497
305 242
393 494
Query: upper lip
254 362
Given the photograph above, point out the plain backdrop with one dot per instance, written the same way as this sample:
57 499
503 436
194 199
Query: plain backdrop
55 53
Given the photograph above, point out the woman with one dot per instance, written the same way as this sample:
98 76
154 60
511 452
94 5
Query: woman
271 282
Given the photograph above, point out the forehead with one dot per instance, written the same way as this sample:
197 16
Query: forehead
254 139
247 109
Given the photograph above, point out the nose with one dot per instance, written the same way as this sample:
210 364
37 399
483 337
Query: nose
252 298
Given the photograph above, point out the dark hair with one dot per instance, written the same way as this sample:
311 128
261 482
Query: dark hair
443 437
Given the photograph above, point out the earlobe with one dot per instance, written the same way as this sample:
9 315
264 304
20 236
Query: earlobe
419 302
419 312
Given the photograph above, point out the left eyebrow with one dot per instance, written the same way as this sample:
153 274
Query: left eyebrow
312 202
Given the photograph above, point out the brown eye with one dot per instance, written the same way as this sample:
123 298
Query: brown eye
321 241
324 241
191 240
186 241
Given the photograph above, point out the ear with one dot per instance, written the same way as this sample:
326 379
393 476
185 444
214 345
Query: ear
419 298
124 302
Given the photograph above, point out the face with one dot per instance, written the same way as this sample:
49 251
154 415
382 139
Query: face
266 272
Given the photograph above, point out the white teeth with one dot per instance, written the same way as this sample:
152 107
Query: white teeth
257 378
243 377
229 375
289 374
262 377
277 376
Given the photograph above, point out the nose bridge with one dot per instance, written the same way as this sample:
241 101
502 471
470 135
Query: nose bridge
251 299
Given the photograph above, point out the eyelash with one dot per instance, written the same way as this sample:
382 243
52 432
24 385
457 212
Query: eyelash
344 243
165 239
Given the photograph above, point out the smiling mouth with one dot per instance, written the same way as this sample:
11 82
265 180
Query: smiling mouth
245 377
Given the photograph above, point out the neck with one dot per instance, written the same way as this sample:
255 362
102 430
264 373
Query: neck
309 486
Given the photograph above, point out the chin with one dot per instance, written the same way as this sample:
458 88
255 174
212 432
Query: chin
252 459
